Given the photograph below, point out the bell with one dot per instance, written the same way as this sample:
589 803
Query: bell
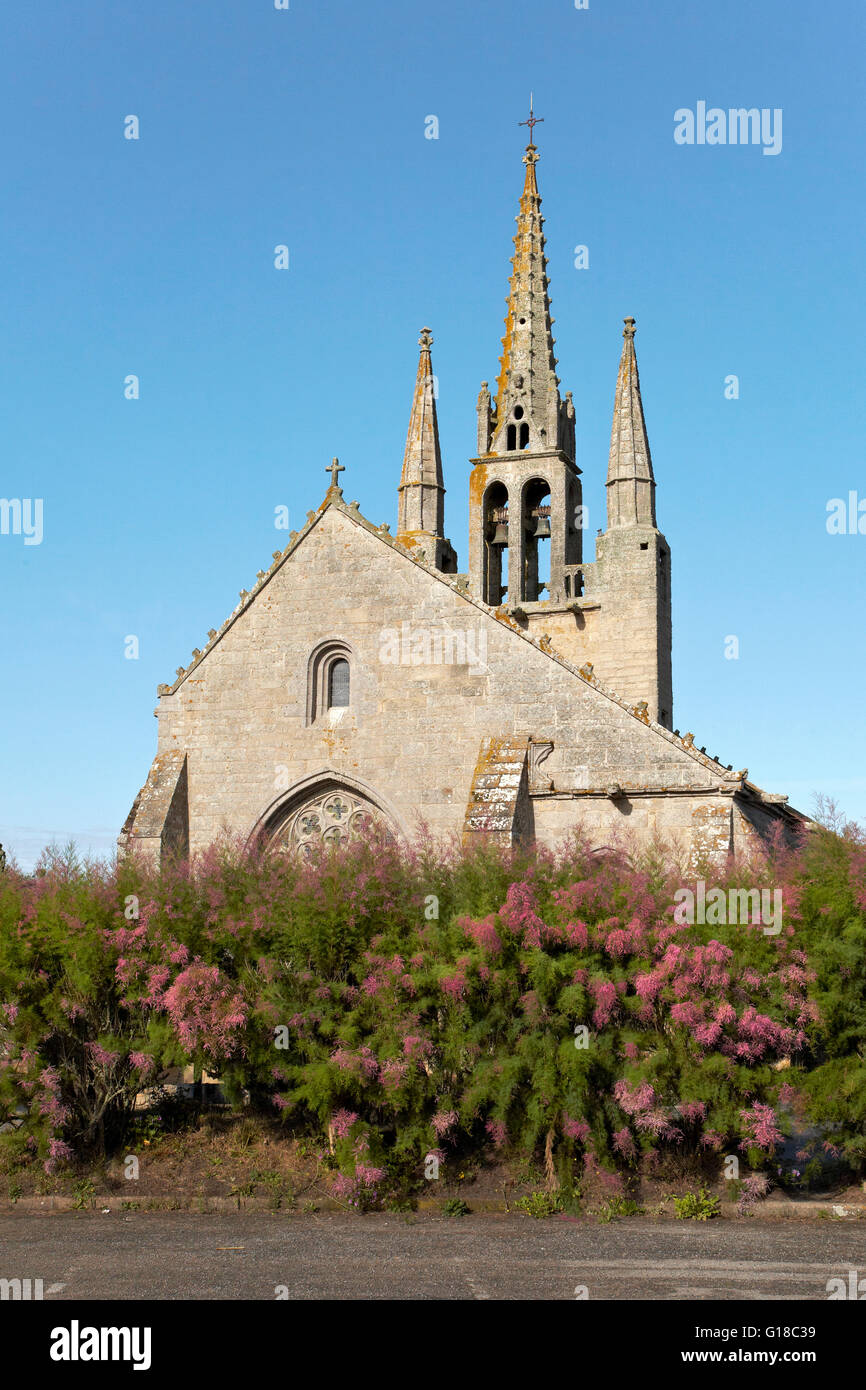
540 521
500 535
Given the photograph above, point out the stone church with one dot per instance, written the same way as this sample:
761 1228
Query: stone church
362 677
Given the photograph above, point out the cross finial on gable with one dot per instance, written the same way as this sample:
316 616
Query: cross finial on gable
335 468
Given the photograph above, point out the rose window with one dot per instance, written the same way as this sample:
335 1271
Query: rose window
330 818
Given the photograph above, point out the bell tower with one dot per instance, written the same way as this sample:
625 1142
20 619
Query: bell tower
525 495
526 514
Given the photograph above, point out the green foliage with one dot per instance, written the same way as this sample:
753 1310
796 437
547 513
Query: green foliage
400 1205
833 927
280 1192
617 1206
455 1206
697 1206
147 1127
539 1204
82 1194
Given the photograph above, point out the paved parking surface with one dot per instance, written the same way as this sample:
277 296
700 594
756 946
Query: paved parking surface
181 1255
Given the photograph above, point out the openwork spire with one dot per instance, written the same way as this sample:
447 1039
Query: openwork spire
421 507
527 411
630 481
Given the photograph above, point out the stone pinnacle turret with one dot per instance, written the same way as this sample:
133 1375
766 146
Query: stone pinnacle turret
630 481
421 507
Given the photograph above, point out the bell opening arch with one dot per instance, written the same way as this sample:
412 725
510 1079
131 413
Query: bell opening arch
495 544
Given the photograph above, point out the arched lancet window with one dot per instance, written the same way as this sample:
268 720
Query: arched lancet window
329 675
524 435
511 438
338 684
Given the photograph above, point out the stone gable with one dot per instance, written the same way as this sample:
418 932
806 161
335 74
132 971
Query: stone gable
434 674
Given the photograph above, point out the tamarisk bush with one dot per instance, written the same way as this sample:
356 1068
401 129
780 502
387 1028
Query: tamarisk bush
412 1003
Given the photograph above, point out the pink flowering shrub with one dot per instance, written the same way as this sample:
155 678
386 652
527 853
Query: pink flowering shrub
342 1121
567 1005
752 1189
543 1002
361 1190
206 1011
73 1055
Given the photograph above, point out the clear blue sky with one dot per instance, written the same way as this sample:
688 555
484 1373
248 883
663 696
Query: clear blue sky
306 127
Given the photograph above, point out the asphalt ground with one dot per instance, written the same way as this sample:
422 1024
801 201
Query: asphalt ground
182 1256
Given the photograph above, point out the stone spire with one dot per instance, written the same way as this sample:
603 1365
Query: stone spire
630 482
421 508
527 390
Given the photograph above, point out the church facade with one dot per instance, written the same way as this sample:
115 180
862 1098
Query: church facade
363 678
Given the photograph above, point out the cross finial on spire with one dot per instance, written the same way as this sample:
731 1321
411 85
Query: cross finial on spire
628 331
532 122
426 339
335 468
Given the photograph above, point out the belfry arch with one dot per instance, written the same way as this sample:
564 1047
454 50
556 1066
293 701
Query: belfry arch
536 520
495 531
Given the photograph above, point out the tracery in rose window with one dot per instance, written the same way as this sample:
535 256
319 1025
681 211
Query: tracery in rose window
330 818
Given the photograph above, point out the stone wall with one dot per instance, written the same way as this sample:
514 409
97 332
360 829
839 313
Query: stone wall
411 739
